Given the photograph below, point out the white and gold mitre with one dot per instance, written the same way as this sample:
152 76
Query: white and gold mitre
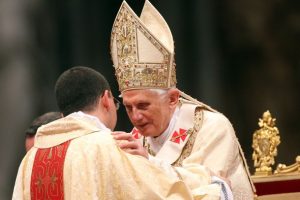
142 49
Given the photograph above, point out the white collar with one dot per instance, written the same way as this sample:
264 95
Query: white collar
81 115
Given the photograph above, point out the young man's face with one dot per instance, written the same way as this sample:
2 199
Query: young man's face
148 111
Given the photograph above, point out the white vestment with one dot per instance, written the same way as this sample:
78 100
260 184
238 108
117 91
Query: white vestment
196 136
95 168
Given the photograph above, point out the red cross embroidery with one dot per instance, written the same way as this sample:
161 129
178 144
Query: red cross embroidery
177 136
136 133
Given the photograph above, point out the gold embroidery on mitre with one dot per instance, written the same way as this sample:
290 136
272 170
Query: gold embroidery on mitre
140 59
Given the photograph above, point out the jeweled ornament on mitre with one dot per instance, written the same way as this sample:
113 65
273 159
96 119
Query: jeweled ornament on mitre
142 49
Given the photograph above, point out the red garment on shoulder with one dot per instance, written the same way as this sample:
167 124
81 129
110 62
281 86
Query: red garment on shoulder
47 173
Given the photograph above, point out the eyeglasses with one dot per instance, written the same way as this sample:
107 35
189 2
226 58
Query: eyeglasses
117 103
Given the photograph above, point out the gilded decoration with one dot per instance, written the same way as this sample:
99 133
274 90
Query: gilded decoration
265 142
131 73
291 169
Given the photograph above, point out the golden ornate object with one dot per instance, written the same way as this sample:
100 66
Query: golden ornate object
265 142
142 49
291 169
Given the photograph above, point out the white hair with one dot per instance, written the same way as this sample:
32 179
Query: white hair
159 91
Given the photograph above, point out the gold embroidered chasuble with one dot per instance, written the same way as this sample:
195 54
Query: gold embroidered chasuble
204 136
95 168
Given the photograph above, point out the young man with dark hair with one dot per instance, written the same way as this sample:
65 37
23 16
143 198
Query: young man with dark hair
76 157
79 89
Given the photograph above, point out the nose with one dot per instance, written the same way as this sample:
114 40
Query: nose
136 115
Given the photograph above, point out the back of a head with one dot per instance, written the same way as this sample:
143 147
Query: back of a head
78 89
37 122
42 120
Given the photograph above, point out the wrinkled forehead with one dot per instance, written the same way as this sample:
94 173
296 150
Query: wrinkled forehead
149 95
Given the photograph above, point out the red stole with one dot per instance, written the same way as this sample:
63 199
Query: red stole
47 173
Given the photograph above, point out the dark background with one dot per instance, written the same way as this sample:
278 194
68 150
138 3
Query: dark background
240 57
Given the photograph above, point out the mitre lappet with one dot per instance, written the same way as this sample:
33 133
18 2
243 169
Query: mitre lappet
142 49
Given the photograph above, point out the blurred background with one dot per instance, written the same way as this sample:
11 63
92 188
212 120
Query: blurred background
240 57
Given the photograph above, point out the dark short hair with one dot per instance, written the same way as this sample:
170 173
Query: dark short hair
78 89
42 120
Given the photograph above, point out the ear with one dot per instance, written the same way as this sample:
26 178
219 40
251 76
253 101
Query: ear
104 99
173 97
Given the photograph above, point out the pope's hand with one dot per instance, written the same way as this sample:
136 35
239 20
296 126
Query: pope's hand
129 144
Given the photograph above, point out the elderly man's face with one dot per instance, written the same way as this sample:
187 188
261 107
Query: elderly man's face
149 111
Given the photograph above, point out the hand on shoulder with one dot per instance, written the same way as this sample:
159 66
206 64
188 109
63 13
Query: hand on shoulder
129 144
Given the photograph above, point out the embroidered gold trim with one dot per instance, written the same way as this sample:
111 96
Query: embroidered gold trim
130 72
147 146
187 149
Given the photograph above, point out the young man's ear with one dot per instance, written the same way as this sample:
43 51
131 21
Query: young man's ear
173 96
104 99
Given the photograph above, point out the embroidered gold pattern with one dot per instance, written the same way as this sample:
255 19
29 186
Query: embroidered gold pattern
147 146
47 172
50 154
129 71
39 182
187 149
